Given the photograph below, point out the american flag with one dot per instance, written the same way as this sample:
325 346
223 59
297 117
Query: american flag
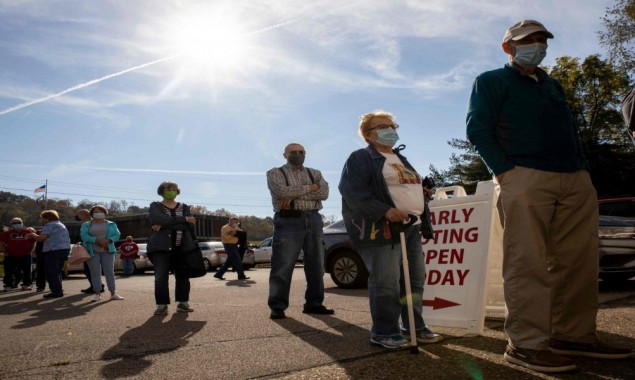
40 189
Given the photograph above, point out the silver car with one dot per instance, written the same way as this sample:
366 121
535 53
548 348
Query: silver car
214 255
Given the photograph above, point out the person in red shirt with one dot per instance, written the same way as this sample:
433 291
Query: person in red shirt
18 249
129 252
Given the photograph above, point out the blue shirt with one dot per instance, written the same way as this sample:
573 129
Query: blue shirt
57 236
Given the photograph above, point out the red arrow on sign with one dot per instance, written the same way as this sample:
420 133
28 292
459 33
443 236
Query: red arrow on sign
439 303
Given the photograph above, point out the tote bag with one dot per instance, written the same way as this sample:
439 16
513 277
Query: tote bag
78 255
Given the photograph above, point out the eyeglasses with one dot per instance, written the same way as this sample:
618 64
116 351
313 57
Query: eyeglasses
386 126
301 152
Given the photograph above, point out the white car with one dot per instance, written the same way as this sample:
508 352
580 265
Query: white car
141 264
214 255
262 252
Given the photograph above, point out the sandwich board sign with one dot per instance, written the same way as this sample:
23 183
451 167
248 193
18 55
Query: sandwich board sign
463 259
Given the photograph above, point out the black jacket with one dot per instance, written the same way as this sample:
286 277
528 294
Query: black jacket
162 240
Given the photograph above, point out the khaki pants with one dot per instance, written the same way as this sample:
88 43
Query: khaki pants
550 256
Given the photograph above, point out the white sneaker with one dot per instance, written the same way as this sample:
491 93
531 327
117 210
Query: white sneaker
116 297
96 298
26 287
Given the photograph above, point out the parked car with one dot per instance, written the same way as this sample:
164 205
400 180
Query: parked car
617 248
214 255
341 260
262 252
622 206
140 264
616 253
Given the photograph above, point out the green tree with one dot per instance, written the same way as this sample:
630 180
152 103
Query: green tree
594 89
619 37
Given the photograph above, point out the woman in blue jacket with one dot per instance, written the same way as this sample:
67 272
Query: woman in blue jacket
99 236
380 189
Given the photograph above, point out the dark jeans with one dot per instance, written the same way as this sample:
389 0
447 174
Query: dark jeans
13 265
87 274
54 266
233 260
290 236
162 261
40 270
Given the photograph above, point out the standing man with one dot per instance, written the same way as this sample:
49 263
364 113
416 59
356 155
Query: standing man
230 241
129 252
18 249
297 193
520 124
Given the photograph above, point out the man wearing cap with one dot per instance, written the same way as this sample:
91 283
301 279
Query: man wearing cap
521 126
18 249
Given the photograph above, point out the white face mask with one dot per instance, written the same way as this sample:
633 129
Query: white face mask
530 55
99 215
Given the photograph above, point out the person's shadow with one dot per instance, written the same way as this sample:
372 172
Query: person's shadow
66 307
127 358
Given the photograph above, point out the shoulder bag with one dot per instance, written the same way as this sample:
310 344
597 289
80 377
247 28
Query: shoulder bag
78 255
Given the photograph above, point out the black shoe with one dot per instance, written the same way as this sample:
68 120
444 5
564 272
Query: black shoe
277 314
597 350
88 290
318 310
244 278
538 360
53 295
219 277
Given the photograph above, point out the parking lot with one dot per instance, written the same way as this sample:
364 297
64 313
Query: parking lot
229 336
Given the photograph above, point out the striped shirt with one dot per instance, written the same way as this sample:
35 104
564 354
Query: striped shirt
298 189
173 213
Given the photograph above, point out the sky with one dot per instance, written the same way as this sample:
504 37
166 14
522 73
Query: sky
107 99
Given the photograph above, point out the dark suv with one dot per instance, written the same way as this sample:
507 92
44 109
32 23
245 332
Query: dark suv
342 260
623 206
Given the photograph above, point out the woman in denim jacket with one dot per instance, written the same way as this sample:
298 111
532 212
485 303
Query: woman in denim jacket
98 237
379 190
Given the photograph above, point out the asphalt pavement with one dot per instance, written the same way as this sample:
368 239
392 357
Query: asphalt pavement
230 336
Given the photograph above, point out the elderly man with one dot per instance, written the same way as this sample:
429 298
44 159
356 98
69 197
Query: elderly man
18 250
297 193
521 126
228 234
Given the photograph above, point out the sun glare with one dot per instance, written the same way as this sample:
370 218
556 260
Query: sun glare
210 40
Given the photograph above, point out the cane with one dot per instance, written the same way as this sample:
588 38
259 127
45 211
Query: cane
406 275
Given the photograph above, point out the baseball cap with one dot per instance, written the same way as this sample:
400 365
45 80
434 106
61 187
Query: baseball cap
524 28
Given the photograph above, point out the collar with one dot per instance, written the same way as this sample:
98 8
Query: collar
540 73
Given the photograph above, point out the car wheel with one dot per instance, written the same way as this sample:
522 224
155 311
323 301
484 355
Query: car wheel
208 265
135 270
347 270
247 266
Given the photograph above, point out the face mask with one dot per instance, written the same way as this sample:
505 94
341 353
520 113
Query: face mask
234 225
99 215
170 194
17 226
387 137
530 55
296 159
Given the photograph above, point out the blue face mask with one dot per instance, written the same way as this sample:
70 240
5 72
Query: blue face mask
99 215
530 55
17 226
387 137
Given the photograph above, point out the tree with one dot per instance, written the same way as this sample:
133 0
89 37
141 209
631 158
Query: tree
619 37
594 89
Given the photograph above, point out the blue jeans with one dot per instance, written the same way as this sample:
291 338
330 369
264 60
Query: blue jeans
127 266
386 286
162 260
53 266
290 235
102 262
233 260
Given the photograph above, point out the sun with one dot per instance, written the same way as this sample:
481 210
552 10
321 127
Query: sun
210 39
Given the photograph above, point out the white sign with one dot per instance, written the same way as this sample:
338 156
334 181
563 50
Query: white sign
459 284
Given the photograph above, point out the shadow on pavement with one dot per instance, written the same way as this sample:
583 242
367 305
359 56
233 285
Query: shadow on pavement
45 310
153 337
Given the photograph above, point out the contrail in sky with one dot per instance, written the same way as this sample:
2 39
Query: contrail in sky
94 81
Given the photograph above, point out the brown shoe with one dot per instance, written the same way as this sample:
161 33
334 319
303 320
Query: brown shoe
538 360
596 350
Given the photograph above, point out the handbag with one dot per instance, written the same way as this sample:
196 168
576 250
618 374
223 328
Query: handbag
191 263
78 255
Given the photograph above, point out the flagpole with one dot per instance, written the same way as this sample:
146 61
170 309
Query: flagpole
46 190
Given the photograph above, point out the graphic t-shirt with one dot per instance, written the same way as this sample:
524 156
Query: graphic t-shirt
404 186
129 250
16 242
